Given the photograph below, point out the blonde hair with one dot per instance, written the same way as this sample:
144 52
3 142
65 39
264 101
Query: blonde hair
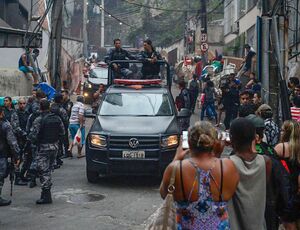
291 134
202 136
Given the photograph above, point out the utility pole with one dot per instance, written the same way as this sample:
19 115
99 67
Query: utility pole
203 17
102 23
55 44
84 30
278 94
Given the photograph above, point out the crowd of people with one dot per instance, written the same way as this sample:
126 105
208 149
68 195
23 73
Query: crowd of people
258 185
35 136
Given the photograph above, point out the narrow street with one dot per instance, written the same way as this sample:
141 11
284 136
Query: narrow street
112 203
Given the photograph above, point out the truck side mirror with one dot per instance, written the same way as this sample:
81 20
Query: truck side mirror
89 113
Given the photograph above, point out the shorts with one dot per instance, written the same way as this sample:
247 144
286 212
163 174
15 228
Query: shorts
73 130
27 69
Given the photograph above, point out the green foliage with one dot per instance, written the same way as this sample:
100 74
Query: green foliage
167 26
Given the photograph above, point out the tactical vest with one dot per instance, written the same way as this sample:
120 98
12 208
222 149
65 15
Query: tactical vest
4 147
50 125
23 117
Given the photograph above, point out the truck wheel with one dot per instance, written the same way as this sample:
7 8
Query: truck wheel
92 176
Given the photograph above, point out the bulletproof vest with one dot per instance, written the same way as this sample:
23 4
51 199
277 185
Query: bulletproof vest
30 121
4 148
23 117
49 129
120 55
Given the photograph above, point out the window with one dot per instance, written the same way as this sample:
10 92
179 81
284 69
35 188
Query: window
242 8
136 104
14 40
3 38
251 4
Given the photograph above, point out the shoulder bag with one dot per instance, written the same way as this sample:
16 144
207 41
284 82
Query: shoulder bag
165 217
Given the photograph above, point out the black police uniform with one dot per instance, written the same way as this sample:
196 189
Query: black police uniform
46 132
8 146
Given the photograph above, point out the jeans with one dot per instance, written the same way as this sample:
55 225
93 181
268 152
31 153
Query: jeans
208 106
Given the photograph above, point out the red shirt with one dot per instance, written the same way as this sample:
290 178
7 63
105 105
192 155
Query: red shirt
295 112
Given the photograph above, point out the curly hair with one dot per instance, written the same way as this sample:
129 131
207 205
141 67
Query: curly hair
202 137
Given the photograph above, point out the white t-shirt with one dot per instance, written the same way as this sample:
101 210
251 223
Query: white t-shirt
77 109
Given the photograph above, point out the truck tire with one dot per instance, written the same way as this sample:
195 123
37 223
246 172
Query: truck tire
92 176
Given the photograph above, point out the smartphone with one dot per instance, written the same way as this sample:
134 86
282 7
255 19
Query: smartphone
185 143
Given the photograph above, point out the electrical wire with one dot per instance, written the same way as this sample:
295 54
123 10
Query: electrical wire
173 10
111 15
39 25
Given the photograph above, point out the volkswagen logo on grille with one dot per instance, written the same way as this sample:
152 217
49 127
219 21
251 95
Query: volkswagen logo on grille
133 143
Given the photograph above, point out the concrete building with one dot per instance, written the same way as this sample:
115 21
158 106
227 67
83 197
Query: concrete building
240 25
16 24
294 39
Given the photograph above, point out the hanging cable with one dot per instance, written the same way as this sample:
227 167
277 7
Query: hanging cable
172 10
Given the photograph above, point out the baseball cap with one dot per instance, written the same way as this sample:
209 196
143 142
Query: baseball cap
256 120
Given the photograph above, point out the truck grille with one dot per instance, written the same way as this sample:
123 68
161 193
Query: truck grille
121 142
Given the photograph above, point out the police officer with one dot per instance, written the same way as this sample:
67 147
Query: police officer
9 109
58 109
18 122
34 109
118 53
67 104
8 143
46 132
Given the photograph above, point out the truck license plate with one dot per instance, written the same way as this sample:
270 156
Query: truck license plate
133 154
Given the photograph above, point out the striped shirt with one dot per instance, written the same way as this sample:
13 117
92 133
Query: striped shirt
295 112
77 109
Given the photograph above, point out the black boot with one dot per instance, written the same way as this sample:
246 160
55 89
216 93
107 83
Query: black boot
4 202
32 175
45 197
19 181
32 182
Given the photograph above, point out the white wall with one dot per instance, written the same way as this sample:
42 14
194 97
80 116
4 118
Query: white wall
249 20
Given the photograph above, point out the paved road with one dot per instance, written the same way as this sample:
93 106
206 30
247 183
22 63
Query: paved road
114 203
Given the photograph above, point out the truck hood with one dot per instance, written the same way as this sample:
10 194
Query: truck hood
128 125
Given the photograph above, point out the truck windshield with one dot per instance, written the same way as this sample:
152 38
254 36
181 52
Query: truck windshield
136 104
99 73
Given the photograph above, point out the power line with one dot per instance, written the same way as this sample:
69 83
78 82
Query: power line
172 10
111 15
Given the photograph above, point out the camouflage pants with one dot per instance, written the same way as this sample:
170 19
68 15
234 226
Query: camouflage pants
45 159
3 172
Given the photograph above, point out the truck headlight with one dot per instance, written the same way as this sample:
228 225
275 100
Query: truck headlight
169 141
98 141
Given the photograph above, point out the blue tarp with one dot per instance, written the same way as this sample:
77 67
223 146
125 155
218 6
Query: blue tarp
47 89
